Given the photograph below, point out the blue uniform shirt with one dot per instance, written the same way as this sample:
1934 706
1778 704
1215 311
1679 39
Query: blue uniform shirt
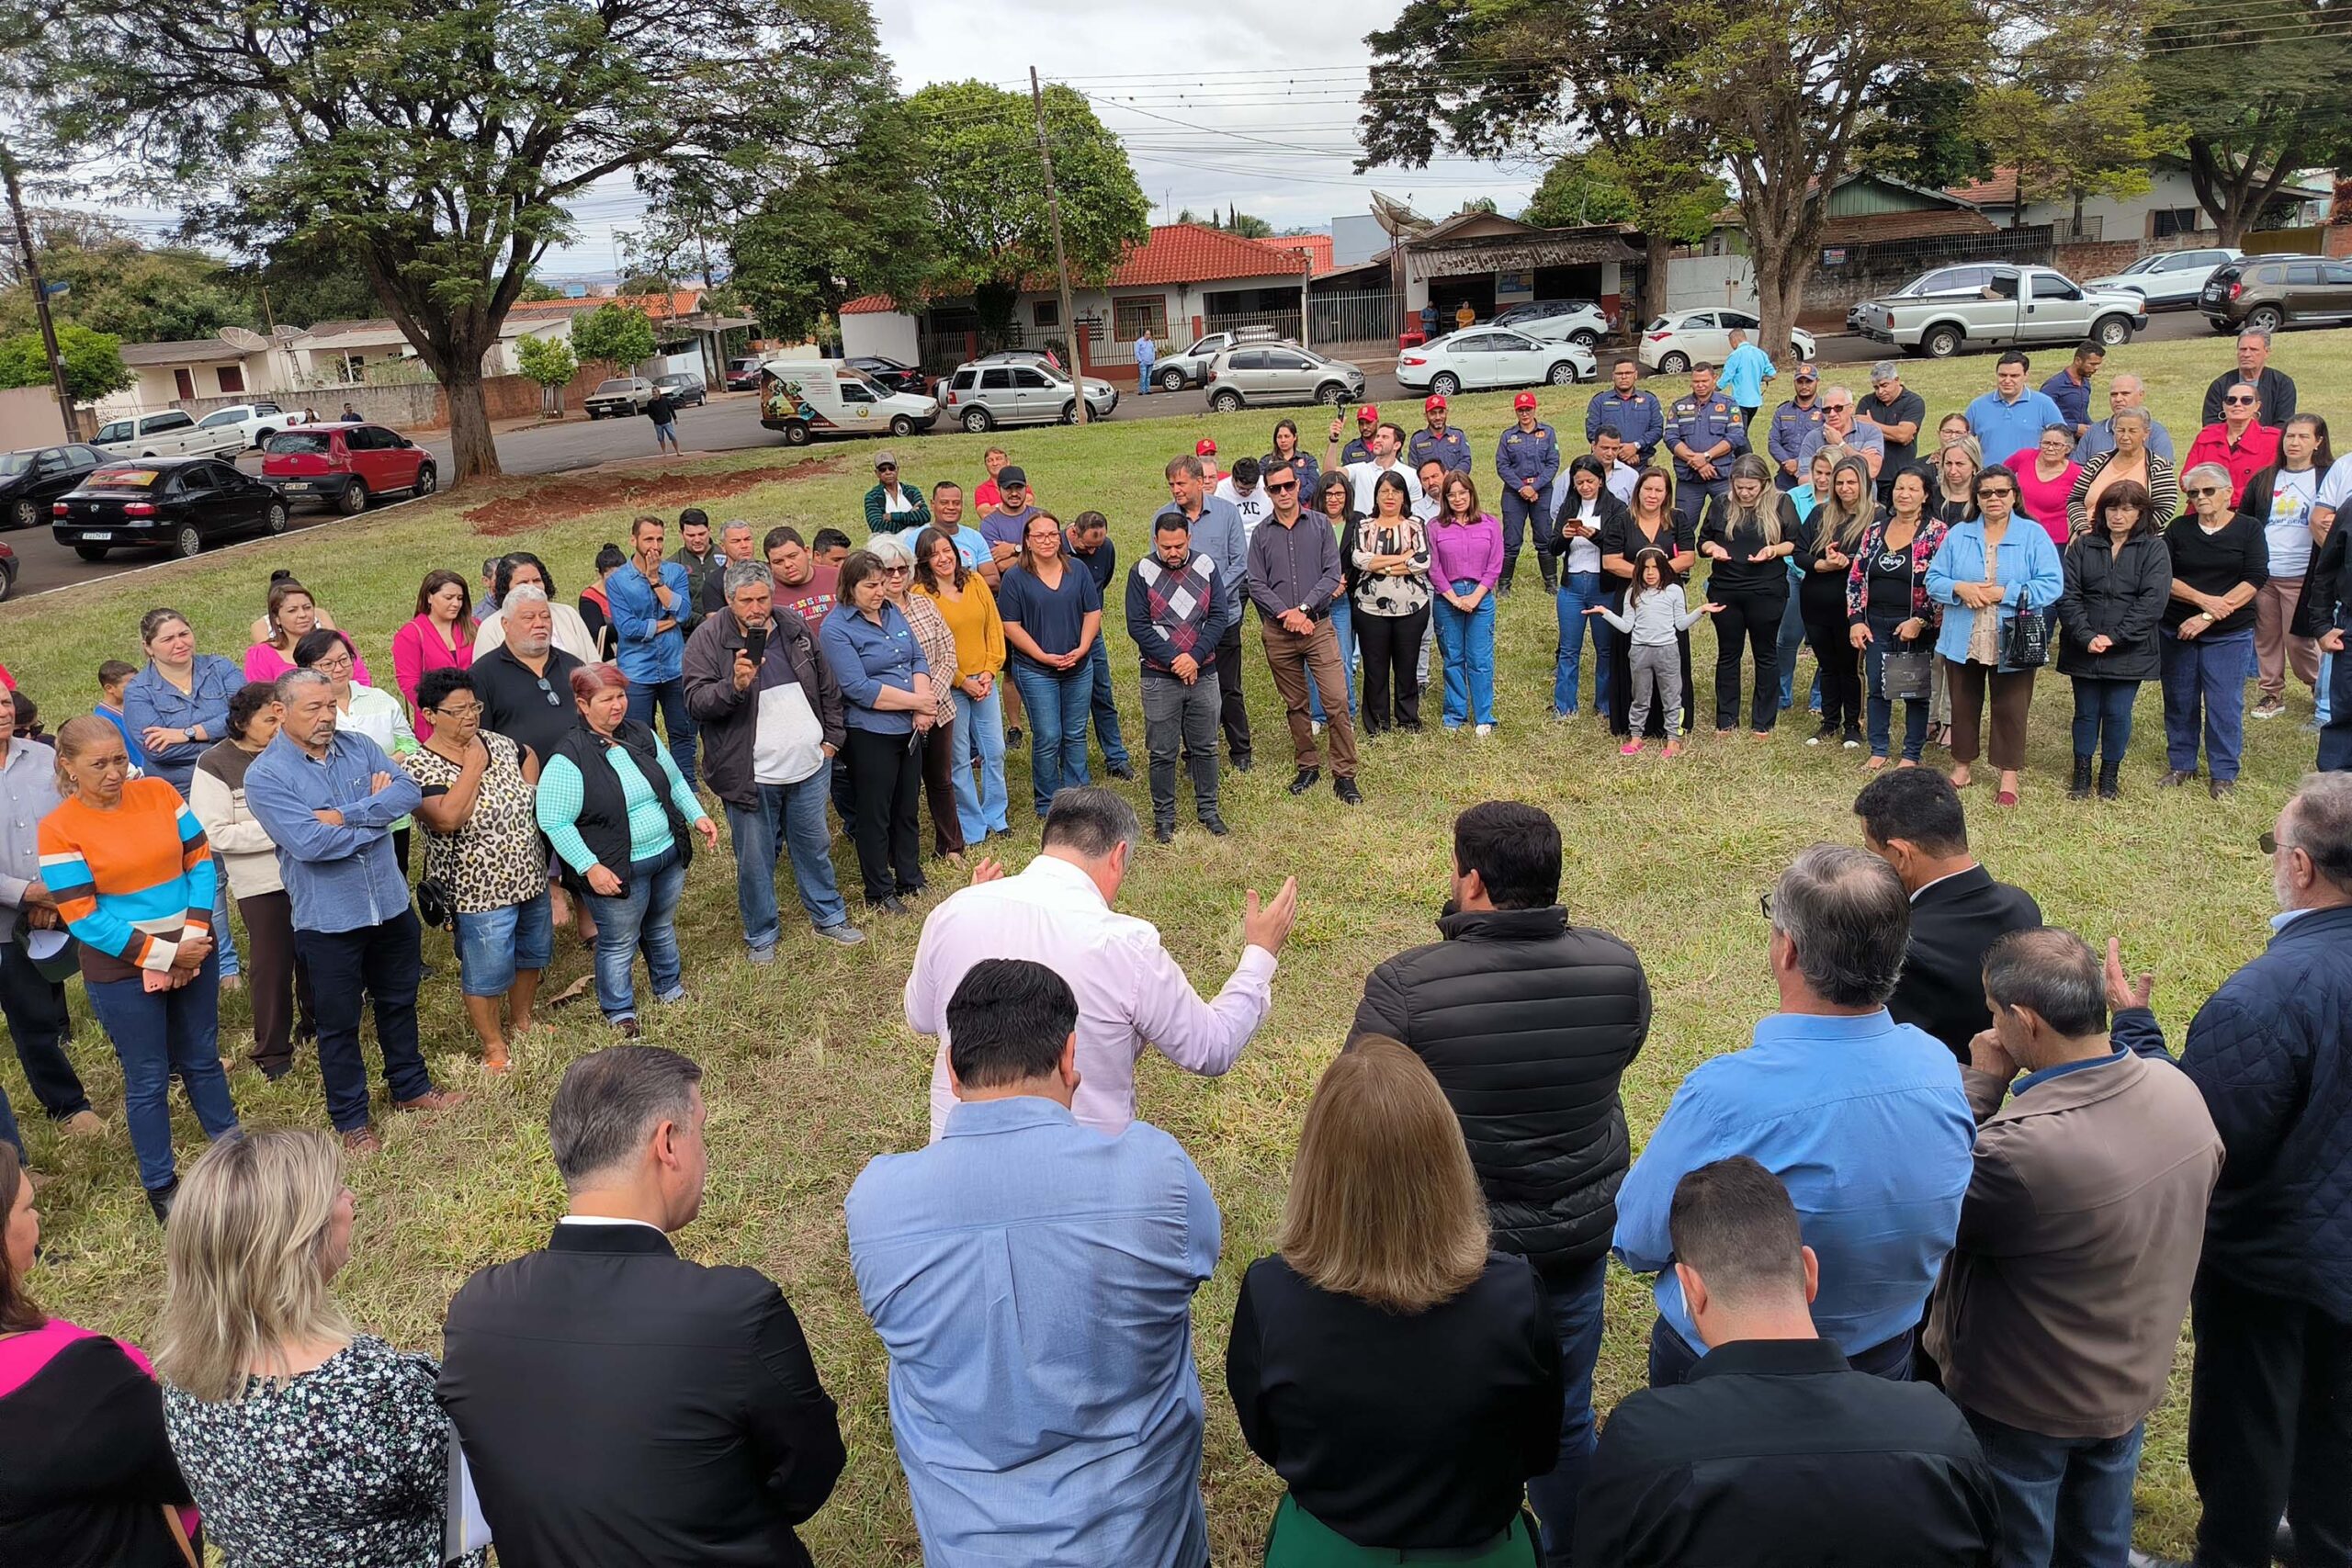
1453 449
1700 424
1636 416
1524 454
1791 426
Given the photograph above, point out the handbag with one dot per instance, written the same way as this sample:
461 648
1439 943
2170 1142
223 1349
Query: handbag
435 904
1904 677
2025 642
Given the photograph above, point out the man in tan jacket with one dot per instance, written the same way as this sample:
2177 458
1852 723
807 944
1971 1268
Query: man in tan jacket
2059 1309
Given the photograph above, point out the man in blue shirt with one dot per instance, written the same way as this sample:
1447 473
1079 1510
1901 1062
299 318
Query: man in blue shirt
2125 391
1640 422
1746 370
2071 388
1033 1282
2010 419
1864 1118
650 599
1793 422
1527 459
328 800
1704 433
1448 446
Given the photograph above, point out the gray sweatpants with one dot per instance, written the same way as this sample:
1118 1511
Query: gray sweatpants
1657 670
1180 717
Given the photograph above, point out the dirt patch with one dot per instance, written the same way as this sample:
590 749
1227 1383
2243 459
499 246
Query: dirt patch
536 504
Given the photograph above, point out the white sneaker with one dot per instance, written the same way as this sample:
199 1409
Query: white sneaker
2269 710
1317 727
1484 730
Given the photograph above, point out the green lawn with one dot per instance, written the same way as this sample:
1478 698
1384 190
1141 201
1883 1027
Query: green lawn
812 1071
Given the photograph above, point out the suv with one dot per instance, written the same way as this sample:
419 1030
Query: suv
620 397
2169 279
1578 321
685 390
255 422
980 396
171 433
1191 368
344 465
1279 373
2264 293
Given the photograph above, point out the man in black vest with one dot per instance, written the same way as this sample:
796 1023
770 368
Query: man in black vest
1912 819
1527 1022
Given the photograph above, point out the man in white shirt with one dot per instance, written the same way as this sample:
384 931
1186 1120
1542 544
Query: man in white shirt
1131 994
1241 490
1388 440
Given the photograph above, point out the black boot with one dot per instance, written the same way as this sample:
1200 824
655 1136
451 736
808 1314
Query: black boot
2111 780
160 1198
2082 786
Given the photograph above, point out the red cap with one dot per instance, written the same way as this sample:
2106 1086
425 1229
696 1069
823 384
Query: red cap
1435 403
1367 413
1205 447
1524 400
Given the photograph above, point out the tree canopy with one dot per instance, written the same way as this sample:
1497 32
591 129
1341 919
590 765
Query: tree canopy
621 335
2257 86
547 360
94 366
2068 108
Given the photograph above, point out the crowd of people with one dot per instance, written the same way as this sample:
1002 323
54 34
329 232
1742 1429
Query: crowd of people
1953 1107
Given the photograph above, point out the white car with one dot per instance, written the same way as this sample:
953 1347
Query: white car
257 421
1480 357
174 432
1174 372
1679 339
2169 279
1557 321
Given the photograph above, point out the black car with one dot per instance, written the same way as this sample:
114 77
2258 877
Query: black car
684 389
180 504
31 479
894 376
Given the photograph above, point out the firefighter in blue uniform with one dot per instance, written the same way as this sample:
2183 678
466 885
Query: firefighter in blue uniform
1359 449
1639 420
1792 422
1448 446
1705 434
1527 459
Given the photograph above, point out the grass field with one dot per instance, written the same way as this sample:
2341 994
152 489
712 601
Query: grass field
812 1071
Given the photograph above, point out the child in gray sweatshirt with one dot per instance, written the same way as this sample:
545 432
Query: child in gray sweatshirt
1654 613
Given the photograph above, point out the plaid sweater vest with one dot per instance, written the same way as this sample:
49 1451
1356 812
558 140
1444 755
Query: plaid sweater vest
1178 602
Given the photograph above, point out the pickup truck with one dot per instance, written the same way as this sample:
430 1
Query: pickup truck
1994 306
174 432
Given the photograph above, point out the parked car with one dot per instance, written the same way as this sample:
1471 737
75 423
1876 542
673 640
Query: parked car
980 396
346 465
2265 293
1578 321
1174 372
8 572
1485 357
620 397
1679 339
743 374
180 504
685 390
31 479
803 399
895 375
257 421
171 433
2169 279
1280 373
1998 304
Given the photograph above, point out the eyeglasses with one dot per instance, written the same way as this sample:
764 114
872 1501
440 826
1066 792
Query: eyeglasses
471 710
2241 402
1994 493
553 701
885 468
1835 408
2270 844
338 662
898 571
1284 488
2201 491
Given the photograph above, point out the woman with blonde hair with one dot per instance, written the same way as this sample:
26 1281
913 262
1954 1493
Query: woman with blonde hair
941 744
1398 1374
1750 533
1839 524
303 1441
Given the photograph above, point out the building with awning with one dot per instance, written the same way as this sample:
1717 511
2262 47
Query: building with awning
1491 262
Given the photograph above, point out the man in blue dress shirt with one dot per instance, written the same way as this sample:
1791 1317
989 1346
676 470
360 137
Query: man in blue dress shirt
2010 419
1033 1281
651 601
1863 1119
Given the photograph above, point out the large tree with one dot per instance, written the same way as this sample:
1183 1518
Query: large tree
438 140
1673 200
2259 86
94 366
2066 103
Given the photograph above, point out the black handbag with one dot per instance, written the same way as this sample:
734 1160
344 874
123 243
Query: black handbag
1904 677
436 906
2025 641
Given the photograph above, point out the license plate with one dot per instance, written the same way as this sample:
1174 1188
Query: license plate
298 484
96 538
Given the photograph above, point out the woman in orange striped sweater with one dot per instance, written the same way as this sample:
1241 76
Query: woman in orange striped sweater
133 879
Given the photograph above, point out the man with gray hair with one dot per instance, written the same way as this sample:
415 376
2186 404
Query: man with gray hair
1840 428
524 683
735 546
616 1403
1131 993
328 798
770 718
1898 415
1863 1117
2274 387
2124 390
2270 1399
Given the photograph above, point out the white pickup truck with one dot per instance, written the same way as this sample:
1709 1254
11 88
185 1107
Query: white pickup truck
174 432
1996 305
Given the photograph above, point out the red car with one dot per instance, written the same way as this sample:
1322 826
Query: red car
345 464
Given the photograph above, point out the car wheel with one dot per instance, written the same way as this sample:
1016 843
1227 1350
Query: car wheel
797 433
2111 331
1674 364
901 426
354 499
275 522
1171 380
91 552
189 543
7 577
1227 402
1445 385
1330 393
1563 374
1068 413
428 479
1940 344
2265 319
261 436
979 421
1585 339
26 515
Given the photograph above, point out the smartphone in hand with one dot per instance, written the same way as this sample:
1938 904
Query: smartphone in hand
756 644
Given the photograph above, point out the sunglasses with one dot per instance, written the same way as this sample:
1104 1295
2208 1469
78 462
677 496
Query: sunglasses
1994 493
1284 488
2239 402
2269 842
2201 491
885 468
553 701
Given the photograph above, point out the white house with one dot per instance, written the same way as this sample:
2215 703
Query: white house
2166 213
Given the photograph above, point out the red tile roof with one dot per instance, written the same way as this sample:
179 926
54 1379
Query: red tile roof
658 305
1998 189
1317 247
867 305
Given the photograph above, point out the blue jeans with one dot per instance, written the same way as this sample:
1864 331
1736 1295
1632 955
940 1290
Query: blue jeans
223 938
494 945
156 1034
2103 715
1880 711
1058 702
1143 389
2334 714
2204 680
671 695
2065 1502
1579 590
1106 711
1792 639
1576 1324
979 731
640 915
1468 644
1344 627
789 820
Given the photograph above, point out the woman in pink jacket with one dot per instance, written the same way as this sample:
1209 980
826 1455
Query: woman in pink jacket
441 636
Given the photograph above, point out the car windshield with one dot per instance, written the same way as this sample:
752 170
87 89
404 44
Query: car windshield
296 443
15 463
621 386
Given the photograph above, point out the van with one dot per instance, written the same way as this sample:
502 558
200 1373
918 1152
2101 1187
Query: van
808 398
171 433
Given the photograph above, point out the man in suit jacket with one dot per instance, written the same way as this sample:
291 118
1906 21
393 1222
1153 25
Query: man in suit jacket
1912 819
617 1405
1773 1452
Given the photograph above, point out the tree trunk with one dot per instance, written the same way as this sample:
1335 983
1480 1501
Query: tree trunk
1658 249
472 454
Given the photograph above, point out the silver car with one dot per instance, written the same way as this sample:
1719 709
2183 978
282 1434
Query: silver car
620 396
1280 373
979 396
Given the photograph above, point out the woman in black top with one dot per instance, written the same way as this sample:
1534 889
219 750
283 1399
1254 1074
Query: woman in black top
1334 497
2221 558
1650 524
1954 500
1834 537
1398 1375
1578 529
2118 579
1888 610
1749 535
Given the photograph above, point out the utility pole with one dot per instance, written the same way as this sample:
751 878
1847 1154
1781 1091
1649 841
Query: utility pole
40 297
1061 260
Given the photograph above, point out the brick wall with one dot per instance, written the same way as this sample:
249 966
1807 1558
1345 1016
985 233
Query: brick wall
2099 258
2338 238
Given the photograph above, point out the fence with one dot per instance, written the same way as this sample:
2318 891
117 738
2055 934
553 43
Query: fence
1282 324
1848 273
1363 316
